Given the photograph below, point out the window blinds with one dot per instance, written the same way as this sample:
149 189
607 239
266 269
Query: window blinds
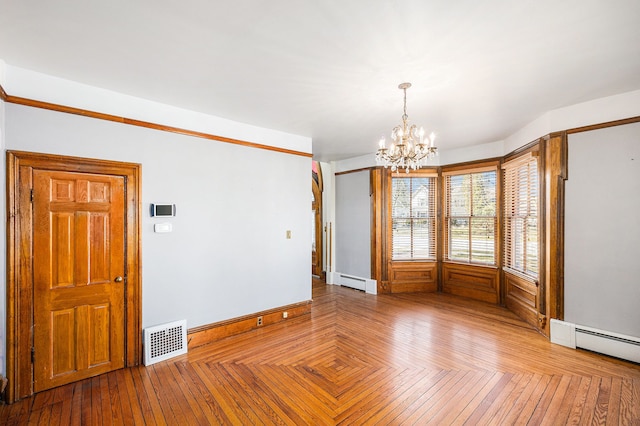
413 218
470 216
521 198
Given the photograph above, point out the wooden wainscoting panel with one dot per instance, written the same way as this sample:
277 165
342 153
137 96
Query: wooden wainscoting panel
198 336
472 281
521 297
408 277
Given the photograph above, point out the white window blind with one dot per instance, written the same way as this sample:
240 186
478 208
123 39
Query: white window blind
521 200
470 217
413 218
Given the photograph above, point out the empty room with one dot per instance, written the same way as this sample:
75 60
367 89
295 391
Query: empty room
320 213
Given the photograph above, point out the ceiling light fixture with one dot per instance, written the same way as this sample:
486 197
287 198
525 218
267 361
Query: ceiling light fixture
410 149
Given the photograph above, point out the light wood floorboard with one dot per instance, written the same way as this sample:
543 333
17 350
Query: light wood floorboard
359 359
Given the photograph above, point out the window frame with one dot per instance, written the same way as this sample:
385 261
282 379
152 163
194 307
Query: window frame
512 195
446 207
432 218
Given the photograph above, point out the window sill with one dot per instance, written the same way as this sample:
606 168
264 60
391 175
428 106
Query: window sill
522 276
481 265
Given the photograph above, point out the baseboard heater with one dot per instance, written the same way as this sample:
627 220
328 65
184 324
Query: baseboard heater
601 341
358 283
165 341
353 282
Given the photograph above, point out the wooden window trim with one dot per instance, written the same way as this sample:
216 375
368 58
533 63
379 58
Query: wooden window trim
476 168
508 168
421 173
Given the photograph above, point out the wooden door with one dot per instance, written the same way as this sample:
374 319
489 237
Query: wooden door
78 276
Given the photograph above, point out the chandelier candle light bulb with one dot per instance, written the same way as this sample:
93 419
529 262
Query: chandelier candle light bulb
408 150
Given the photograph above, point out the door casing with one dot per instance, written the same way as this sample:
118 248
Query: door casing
19 306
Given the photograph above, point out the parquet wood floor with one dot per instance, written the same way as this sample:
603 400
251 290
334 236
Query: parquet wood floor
360 359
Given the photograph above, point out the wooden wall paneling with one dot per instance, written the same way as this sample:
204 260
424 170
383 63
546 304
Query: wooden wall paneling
555 174
472 281
384 285
521 297
526 296
377 228
199 336
19 289
499 235
413 276
440 227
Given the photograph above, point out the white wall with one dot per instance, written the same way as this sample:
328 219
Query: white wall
602 230
328 214
227 255
611 108
33 85
353 224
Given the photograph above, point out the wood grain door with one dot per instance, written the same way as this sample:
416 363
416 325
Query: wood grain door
78 276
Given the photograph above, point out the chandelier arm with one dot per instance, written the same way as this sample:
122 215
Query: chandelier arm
409 151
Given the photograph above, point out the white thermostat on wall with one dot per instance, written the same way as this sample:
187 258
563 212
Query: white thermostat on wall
163 210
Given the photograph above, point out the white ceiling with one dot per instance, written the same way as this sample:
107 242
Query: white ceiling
329 69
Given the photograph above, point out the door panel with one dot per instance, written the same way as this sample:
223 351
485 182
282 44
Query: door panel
78 251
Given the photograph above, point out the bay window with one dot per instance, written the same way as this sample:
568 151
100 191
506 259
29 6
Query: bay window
470 216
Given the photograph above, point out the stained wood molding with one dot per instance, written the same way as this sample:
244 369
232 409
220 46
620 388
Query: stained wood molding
199 336
132 122
556 173
522 297
363 169
598 126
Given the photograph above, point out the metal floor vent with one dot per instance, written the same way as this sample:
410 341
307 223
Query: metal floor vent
165 341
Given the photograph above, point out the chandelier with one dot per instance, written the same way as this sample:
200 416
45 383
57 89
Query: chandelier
410 149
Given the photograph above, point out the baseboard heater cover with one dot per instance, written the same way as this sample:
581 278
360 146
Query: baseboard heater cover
364 284
165 341
593 339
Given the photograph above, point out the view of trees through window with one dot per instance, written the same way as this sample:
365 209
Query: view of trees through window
413 218
471 218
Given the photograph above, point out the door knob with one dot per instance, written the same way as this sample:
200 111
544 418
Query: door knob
118 279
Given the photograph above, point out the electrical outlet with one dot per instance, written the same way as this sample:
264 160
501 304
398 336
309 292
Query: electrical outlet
259 321
285 314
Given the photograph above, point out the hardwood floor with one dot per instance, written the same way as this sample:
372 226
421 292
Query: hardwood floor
360 359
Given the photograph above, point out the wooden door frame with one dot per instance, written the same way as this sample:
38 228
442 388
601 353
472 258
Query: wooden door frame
316 189
19 333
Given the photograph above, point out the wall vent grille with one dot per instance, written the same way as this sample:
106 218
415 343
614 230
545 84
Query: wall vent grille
165 341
